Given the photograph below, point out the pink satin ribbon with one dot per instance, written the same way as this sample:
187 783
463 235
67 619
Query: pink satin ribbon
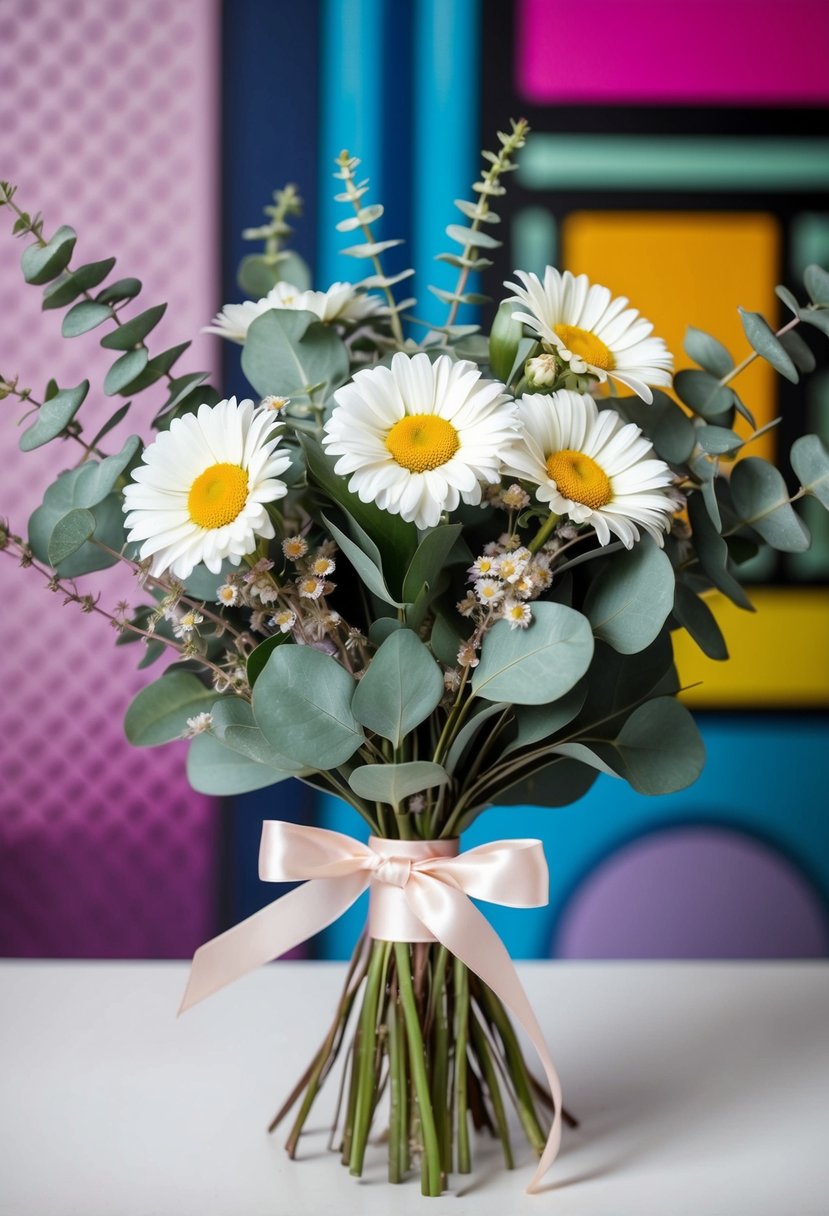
420 891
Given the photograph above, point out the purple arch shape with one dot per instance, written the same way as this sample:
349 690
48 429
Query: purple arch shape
694 892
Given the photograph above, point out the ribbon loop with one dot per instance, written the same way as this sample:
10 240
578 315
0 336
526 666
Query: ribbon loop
421 891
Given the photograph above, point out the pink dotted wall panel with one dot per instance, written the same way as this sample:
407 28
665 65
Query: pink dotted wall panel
109 123
672 51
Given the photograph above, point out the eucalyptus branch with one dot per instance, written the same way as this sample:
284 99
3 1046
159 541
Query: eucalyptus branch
749 359
286 202
8 388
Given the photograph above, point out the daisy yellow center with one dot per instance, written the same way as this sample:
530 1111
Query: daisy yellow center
218 495
422 441
579 478
586 345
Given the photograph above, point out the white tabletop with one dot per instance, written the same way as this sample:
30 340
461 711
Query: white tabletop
701 1088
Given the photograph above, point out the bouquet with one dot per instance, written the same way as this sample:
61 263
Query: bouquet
424 574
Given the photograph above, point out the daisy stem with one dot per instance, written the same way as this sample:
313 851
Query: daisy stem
543 532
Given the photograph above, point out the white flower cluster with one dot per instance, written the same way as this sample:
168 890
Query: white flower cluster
504 579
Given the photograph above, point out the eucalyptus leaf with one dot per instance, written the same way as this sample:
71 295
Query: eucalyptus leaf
717 440
100 479
708 352
401 687
761 500
816 281
766 343
392 783
469 731
130 333
668 427
287 351
76 488
629 602
535 665
64 290
810 461
559 783
69 534
259 656
713 552
797 350
788 299
85 316
660 747
221 772
535 723
617 682
703 393
111 423
302 704
368 572
40 263
235 726
258 274
382 628
444 640
125 371
54 416
819 319
693 614
429 560
160 711
120 290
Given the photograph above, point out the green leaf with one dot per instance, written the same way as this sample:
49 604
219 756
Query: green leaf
559 783
221 772
180 388
693 614
401 687
468 236
465 736
64 290
820 320
534 723
382 628
429 560
797 350
767 344
111 423
85 316
715 440
130 333
258 274
816 281
40 263
53 416
660 747
120 290
445 641
100 479
69 534
535 665
302 704
629 602
125 370
504 339
761 500
288 351
260 655
76 488
160 711
616 682
708 352
668 427
703 393
235 727
364 565
157 367
810 461
392 783
788 299
713 552
395 539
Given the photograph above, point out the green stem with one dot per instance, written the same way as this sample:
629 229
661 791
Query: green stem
397 1089
431 1182
461 1042
490 1079
364 1063
543 532
517 1067
439 1018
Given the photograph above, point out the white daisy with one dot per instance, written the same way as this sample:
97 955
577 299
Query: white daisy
592 332
519 615
199 494
341 303
593 467
418 437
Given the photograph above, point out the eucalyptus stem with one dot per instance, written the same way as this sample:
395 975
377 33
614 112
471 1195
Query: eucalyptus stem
431 1182
397 1089
365 1063
749 359
439 1019
346 164
517 1066
461 1094
489 1076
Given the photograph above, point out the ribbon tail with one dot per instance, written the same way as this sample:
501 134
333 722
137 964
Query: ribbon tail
457 924
269 933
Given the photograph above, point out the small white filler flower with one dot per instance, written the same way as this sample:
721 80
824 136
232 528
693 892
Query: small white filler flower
591 466
589 330
418 437
199 494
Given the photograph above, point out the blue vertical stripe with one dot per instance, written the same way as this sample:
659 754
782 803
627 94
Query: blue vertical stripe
446 138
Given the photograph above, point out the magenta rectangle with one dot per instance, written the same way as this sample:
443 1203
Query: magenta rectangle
704 52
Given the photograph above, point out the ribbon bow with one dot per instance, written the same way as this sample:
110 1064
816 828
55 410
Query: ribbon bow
420 891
